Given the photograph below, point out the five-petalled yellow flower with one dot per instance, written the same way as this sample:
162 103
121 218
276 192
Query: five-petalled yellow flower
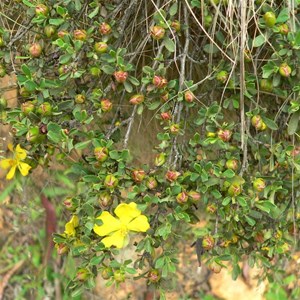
116 230
15 162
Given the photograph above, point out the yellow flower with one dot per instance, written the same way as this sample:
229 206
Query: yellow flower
115 230
71 225
16 162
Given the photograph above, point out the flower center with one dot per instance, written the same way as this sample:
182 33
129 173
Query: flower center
124 230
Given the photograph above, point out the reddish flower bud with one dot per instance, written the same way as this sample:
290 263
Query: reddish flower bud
214 267
138 175
35 50
182 198
284 29
80 34
111 181
41 9
101 153
208 242
49 31
62 33
105 199
232 164
166 116
157 32
189 96
259 184
137 99
174 128
69 204
211 208
258 123
27 107
105 28
285 70
106 105
61 248
164 97
100 47
154 276
82 275
160 159
172 175
176 25
45 109
234 190
159 81
194 196
224 135
151 183
120 76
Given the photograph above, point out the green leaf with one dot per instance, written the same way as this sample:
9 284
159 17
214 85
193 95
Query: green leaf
108 69
268 69
28 3
270 123
293 123
91 178
211 48
128 87
94 12
26 71
283 16
226 201
242 201
250 221
259 41
56 22
173 9
82 145
169 44
228 174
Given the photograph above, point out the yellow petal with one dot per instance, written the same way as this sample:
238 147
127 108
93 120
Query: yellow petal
7 163
10 147
24 168
20 153
75 221
139 224
127 212
11 172
116 239
69 229
110 224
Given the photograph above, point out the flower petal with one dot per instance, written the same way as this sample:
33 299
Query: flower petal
139 224
20 153
116 239
11 172
69 229
24 168
127 212
7 163
110 224
75 221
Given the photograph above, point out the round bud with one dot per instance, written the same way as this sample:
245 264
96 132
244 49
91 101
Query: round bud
120 76
35 50
157 32
106 105
270 19
100 47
